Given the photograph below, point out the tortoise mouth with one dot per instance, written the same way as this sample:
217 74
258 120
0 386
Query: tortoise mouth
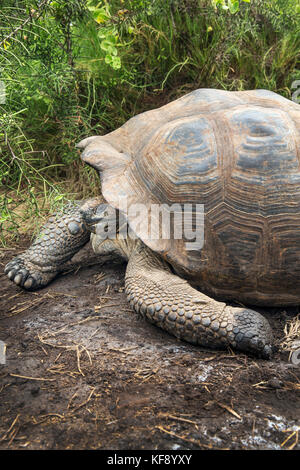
104 221
95 216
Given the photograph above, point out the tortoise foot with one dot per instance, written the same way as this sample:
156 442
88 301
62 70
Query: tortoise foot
26 274
252 333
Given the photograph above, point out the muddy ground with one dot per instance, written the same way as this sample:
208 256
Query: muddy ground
83 371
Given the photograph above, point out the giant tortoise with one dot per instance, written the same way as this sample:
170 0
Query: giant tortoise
236 155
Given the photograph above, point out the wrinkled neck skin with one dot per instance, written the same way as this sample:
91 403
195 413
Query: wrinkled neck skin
122 247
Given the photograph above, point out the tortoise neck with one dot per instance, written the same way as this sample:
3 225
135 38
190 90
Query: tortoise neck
127 246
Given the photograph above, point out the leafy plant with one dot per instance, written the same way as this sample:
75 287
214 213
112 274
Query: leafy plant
233 6
69 69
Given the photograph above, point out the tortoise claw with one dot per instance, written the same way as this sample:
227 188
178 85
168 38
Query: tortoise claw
22 275
253 333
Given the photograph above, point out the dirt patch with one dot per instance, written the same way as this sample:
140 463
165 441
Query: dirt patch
83 371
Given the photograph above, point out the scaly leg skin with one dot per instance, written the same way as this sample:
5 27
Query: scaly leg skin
59 239
172 304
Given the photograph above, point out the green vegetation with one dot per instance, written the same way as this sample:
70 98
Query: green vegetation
73 68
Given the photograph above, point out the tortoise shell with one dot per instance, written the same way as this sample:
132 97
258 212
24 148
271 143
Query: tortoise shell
235 153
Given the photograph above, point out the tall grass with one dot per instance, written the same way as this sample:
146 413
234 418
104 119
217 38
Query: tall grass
80 68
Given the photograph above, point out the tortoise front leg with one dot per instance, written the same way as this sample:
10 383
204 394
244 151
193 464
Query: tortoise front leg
172 304
64 234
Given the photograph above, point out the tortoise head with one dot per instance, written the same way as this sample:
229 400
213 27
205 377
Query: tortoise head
104 221
101 154
101 220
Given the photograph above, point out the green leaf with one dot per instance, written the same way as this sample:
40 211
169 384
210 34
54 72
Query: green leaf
59 197
113 61
100 17
233 6
107 46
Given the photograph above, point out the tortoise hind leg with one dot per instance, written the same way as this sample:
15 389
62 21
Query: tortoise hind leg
63 235
172 304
